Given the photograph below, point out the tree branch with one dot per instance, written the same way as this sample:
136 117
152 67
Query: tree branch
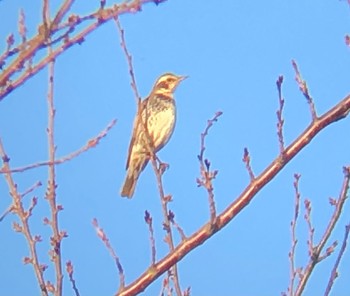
339 111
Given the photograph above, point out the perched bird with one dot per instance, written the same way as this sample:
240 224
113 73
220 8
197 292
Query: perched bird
153 126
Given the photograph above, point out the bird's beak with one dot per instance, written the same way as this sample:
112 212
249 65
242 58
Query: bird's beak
183 77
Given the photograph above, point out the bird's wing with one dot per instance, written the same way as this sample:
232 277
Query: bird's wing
136 130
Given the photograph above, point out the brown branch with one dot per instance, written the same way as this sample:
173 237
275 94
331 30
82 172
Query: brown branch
42 40
334 272
315 257
93 142
102 235
339 111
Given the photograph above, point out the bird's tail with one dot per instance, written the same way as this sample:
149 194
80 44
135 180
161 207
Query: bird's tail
129 185
132 175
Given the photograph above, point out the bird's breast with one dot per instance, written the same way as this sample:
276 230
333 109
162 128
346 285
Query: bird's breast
161 123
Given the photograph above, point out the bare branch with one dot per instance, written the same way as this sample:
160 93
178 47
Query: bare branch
93 142
24 227
339 111
26 52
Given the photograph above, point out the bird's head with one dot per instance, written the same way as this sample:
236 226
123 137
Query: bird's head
167 83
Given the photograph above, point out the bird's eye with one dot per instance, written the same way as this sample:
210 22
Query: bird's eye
164 84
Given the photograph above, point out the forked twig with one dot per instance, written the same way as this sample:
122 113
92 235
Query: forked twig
11 207
316 256
206 175
24 226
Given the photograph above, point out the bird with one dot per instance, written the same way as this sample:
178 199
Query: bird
154 124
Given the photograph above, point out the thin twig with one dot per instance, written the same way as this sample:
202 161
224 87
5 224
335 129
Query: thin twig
280 120
70 271
93 142
334 272
129 60
29 190
148 220
305 90
315 257
206 175
10 40
51 196
166 224
166 288
46 14
24 227
102 235
311 229
293 224
63 10
176 225
246 160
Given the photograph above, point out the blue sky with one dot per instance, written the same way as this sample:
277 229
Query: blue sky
233 52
